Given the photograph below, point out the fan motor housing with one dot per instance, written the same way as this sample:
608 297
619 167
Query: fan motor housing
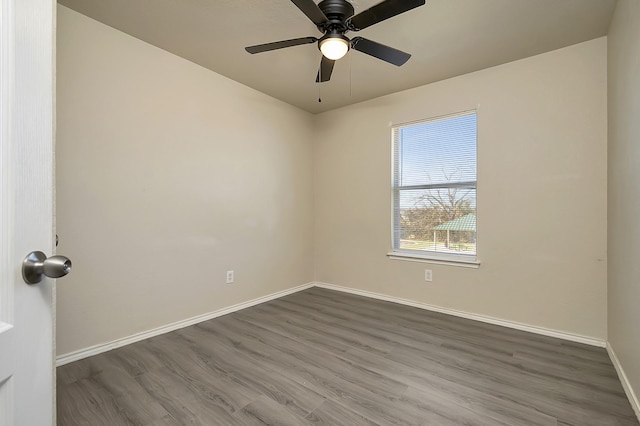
337 12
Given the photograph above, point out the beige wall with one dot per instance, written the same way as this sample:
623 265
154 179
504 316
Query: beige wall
541 193
168 175
624 188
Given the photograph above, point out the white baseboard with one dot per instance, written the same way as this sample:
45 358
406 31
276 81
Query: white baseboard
104 347
107 346
482 318
631 395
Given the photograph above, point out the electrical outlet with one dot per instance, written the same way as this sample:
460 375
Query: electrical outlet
428 275
229 277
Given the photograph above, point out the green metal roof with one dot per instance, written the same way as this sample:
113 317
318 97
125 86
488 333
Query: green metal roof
464 223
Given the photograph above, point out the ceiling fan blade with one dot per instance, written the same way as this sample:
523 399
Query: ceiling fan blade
380 51
280 44
381 11
326 68
311 9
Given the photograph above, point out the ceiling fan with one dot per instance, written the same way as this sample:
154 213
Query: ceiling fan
335 18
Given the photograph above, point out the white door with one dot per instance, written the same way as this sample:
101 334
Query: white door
26 210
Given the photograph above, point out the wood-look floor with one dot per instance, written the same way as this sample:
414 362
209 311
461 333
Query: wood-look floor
320 357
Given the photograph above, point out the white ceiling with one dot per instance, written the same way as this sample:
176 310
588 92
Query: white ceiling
446 38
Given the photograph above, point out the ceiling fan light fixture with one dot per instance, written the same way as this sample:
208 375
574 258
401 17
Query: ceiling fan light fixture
334 47
334 18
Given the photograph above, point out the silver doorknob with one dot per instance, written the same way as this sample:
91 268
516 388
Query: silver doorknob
36 264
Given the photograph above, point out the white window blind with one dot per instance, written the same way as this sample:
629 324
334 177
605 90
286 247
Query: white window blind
434 187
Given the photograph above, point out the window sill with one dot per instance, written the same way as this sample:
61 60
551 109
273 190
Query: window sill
411 257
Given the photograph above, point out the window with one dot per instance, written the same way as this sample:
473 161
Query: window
434 188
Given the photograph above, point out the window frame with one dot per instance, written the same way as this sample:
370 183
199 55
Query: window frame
396 253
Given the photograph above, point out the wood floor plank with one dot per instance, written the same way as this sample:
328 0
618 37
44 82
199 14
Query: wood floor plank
296 398
510 412
448 327
332 413
265 411
312 369
177 397
319 357
167 420
334 332
444 328
85 403
558 397
84 369
310 364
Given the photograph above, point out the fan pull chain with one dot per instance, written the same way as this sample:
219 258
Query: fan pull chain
350 91
319 83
